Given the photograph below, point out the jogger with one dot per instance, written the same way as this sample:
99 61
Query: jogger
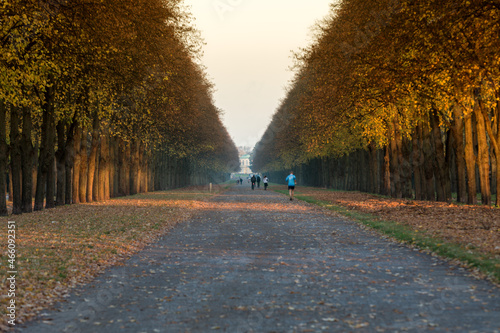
291 184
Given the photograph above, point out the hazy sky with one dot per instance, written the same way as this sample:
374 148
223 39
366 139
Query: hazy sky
248 55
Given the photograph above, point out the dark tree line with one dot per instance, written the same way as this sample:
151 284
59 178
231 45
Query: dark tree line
399 97
101 99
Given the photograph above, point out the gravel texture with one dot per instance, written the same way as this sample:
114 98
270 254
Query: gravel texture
253 261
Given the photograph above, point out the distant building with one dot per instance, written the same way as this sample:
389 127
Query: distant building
245 164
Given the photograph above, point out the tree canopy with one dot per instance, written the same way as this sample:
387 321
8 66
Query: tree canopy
115 70
387 71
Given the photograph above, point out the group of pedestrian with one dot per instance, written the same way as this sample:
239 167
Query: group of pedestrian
255 181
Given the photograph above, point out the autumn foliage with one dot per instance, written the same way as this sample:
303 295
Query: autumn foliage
61 249
395 97
101 99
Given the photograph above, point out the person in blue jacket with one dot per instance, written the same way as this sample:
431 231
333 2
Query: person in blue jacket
291 179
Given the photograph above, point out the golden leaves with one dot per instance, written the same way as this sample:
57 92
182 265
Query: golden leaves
371 62
130 61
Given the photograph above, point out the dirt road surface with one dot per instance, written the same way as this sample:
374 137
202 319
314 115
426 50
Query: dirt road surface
253 261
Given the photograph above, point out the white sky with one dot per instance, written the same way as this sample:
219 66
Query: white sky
248 54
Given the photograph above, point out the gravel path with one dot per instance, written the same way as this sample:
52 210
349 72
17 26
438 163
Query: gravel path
253 261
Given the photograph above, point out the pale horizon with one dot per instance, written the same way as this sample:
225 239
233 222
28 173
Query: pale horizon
248 54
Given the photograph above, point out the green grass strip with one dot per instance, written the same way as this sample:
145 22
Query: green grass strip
487 264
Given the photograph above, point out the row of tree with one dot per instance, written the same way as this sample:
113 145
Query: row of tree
408 88
101 99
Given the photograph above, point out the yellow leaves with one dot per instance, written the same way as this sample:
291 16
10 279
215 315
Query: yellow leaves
431 54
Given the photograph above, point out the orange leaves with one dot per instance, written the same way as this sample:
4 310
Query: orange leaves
372 60
60 248
475 226
134 62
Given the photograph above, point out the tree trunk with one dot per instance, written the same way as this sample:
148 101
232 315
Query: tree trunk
27 162
345 186
104 168
421 163
493 131
116 169
96 185
61 164
395 170
427 148
34 165
374 177
76 166
112 166
45 183
51 142
124 163
381 170
387 172
457 130
146 174
443 184
143 186
470 161
69 159
92 158
451 161
135 170
483 156
152 175
493 170
82 191
497 150
3 159
417 163
10 184
68 172
41 178
40 184
15 160
128 162
497 203
405 167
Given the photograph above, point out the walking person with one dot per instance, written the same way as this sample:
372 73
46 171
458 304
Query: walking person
265 180
291 184
241 181
253 180
258 181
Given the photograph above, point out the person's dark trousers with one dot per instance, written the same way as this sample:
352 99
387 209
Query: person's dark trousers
265 186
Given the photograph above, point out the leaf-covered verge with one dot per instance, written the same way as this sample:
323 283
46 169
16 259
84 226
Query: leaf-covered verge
61 248
469 234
